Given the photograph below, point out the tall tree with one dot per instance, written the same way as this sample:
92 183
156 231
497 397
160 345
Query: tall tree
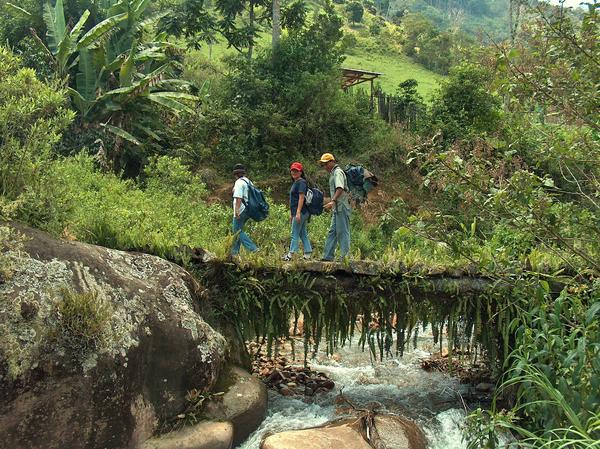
514 18
276 23
238 21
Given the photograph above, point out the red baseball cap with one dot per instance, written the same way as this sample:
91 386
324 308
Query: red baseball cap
296 166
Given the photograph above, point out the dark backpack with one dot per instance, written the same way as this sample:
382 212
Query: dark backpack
257 207
360 181
314 201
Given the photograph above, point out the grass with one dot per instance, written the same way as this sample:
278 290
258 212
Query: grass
396 68
83 321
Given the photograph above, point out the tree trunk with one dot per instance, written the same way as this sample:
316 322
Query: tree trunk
514 17
276 23
251 19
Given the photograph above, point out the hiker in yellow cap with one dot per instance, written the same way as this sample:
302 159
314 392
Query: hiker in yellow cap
339 231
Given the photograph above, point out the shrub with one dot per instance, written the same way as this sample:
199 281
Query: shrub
32 117
410 107
10 241
349 42
464 106
169 175
377 25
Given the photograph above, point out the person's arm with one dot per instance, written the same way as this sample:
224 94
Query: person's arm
336 195
339 188
301 196
236 210
338 192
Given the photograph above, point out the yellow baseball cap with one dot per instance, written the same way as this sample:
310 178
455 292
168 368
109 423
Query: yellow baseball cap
326 157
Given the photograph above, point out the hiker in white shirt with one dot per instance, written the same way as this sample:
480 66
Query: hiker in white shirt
240 199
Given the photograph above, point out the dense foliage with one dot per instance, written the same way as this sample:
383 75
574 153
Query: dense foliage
285 103
528 184
33 116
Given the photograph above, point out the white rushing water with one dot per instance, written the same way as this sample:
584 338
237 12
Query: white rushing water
398 385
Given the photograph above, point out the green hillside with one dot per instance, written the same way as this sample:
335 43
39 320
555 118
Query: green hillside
376 45
475 18
366 55
396 69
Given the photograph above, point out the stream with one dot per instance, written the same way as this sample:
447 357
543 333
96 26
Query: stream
436 401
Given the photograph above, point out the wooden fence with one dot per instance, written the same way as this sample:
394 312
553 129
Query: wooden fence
393 109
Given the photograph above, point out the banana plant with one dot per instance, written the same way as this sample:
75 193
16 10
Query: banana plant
64 44
122 69
126 88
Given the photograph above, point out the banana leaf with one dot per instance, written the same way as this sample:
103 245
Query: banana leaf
121 133
99 30
54 19
169 101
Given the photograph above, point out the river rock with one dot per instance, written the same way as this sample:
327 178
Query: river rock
244 403
204 435
285 391
399 433
394 432
328 437
151 347
484 387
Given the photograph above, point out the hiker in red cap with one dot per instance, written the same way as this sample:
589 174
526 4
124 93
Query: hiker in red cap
299 212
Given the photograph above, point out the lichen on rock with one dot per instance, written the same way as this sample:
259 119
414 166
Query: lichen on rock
128 371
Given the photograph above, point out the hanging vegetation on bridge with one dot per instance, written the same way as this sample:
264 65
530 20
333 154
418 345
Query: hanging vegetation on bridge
385 311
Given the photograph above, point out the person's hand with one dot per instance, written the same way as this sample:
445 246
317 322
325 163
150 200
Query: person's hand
237 215
298 218
329 205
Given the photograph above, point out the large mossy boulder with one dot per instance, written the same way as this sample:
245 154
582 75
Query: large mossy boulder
97 346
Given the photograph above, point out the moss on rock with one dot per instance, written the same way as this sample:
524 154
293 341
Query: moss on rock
108 329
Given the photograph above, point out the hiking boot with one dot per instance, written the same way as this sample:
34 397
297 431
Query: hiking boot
287 257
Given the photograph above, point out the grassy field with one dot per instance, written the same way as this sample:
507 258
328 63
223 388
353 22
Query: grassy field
381 53
395 68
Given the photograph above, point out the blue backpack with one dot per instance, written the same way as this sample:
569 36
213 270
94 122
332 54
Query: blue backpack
360 182
257 207
314 201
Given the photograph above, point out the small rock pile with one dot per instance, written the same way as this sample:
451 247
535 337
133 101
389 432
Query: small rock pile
462 367
289 380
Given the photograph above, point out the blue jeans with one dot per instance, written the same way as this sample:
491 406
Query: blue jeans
299 232
241 238
339 233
